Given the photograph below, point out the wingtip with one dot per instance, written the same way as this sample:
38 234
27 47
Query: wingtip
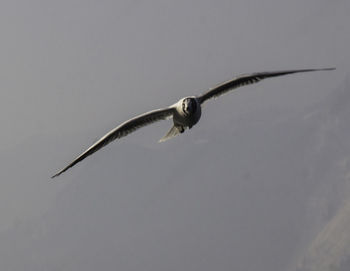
57 174
54 176
329 69
318 69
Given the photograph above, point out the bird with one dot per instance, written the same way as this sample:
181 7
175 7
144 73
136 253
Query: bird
185 113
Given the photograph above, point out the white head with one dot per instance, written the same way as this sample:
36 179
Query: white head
189 105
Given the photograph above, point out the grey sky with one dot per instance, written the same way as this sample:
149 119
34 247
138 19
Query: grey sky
237 192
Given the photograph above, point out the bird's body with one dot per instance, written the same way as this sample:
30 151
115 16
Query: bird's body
185 113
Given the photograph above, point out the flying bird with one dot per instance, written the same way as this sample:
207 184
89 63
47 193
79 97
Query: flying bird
185 113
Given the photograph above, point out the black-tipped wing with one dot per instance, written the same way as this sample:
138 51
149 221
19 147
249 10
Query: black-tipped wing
122 130
247 79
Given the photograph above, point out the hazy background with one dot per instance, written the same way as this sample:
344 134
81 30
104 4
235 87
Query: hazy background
260 184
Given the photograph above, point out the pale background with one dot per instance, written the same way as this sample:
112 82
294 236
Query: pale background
260 184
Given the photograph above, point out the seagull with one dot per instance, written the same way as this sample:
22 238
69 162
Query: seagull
185 113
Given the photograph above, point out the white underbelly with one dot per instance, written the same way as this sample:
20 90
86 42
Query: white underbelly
186 120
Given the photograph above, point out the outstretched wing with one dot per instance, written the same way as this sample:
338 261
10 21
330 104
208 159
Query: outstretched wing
122 130
247 79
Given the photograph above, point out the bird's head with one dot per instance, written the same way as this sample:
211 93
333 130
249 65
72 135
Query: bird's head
189 106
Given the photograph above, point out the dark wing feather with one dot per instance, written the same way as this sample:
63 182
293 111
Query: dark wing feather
247 79
122 130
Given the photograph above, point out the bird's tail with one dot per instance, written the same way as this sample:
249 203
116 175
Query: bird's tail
174 131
